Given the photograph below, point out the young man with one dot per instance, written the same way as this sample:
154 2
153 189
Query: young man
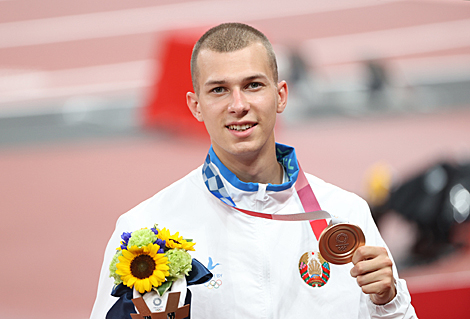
263 268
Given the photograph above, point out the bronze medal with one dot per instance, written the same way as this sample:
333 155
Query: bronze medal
338 242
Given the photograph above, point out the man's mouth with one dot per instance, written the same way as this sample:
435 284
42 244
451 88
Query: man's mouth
240 128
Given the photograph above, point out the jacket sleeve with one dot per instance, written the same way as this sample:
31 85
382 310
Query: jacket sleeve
399 307
104 300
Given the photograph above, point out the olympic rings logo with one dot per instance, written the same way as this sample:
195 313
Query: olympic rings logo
214 284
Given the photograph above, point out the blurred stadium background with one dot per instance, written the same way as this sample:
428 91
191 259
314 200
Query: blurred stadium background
379 97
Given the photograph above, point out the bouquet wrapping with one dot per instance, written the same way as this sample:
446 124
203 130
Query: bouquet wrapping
157 303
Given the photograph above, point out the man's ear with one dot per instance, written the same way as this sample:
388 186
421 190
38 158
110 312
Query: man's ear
193 104
282 93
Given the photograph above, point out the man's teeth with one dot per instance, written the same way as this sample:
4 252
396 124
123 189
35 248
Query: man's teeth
240 128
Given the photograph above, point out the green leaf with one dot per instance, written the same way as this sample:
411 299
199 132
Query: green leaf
164 287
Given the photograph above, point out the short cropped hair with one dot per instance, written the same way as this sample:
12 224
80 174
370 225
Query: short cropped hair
230 37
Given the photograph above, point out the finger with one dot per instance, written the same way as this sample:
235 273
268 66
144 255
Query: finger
368 252
379 288
383 276
380 292
372 265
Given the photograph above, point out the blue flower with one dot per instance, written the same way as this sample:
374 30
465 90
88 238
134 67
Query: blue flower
125 239
162 244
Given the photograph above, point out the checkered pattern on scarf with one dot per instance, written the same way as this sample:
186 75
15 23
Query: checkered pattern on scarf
214 183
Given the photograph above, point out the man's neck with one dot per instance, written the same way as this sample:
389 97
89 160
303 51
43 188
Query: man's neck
255 168
258 172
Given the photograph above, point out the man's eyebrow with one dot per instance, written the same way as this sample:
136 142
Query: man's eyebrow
215 82
255 77
247 79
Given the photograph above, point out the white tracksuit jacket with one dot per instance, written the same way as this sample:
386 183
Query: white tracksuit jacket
255 261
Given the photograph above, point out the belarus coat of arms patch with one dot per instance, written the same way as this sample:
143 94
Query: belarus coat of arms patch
314 269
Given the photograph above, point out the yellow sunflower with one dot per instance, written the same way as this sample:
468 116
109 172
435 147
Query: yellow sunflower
187 245
175 240
142 267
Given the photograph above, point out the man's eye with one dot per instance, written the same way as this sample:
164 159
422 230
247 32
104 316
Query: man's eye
218 90
254 85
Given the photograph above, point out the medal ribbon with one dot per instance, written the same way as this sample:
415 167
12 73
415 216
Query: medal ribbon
311 207
312 210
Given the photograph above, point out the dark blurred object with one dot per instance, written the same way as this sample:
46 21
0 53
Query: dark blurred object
437 201
377 84
298 68
377 75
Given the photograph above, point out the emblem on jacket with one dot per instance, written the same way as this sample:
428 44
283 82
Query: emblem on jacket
314 269
216 280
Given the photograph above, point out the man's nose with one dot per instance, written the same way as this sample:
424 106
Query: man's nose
239 103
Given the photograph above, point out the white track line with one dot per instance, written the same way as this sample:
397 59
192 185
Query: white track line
80 81
159 18
390 43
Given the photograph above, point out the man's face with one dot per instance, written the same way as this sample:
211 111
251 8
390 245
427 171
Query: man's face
238 101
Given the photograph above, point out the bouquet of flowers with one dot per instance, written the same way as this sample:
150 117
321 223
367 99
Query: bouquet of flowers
151 260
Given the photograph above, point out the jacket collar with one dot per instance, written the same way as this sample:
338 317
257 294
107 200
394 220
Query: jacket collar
226 186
